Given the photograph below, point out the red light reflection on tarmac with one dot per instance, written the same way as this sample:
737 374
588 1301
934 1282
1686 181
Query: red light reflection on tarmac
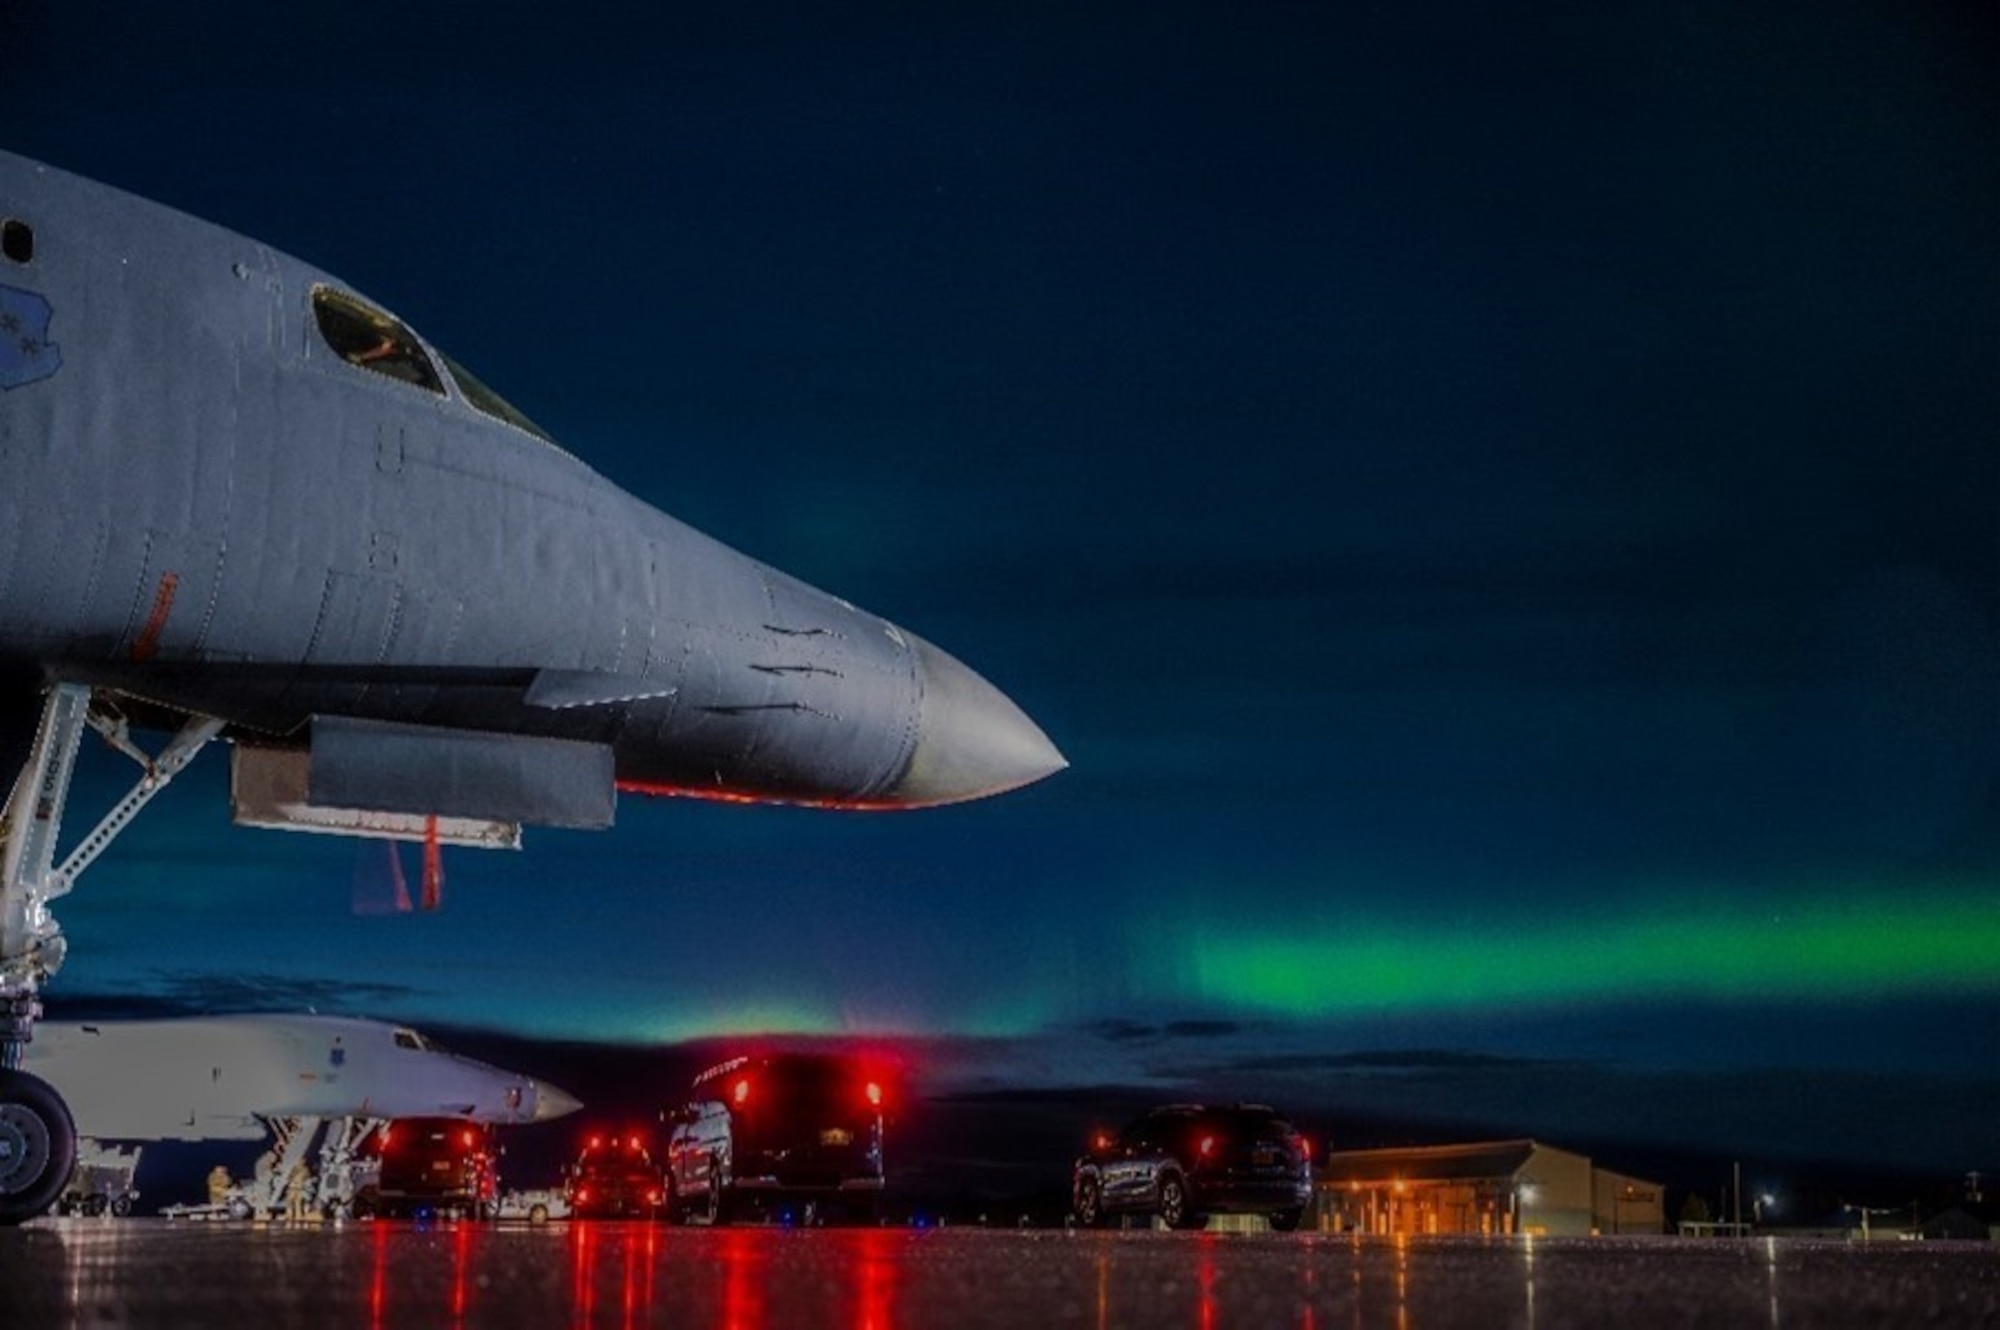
458 1297
461 1243
592 1248
593 1251
1205 1281
378 1278
743 1257
630 1274
628 1285
583 1271
652 1265
876 1274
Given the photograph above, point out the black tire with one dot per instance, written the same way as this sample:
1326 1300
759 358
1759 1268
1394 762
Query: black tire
1176 1206
121 1207
1285 1221
37 1146
715 1208
1089 1202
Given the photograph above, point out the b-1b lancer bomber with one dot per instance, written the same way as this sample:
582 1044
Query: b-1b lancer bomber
318 1087
242 500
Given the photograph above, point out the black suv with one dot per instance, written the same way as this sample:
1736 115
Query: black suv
793 1135
437 1166
616 1179
1185 1162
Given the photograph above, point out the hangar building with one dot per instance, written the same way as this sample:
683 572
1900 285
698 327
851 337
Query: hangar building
1490 1188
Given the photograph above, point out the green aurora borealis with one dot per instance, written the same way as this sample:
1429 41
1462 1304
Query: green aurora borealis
1886 945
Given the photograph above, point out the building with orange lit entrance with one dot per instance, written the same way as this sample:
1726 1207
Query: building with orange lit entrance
1491 1188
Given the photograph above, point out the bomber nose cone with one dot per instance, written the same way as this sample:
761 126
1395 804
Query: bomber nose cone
972 740
551 1103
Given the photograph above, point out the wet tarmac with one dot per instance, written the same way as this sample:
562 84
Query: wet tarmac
152 1273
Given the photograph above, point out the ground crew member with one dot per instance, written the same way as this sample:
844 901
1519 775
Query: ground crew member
296 1187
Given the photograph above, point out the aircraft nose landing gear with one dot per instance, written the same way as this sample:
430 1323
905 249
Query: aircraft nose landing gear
37 1146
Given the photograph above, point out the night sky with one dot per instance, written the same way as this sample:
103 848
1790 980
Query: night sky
1497 504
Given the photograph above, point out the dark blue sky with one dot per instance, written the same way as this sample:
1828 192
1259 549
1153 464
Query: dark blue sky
1498 505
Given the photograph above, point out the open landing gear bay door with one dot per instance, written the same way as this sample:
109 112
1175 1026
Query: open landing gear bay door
410 782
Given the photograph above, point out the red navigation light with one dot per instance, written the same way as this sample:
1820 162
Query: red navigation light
742 1091
596 1141
387 1132
1100 1140
874 1093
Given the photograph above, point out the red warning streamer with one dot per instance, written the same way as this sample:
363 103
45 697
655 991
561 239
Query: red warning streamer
148 640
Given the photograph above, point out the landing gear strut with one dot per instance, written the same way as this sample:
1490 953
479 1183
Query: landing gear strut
37 1135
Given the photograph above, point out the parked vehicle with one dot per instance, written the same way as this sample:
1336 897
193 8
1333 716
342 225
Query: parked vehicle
790 1136
440 1167
1185 1162
616 1178
535 1205
101 1182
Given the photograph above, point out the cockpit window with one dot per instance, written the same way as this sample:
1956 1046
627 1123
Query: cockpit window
490 402
362 335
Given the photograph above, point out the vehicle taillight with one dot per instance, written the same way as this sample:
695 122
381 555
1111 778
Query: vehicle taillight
1100 1141
387 1132
1207 1146
874 1093
741 1093
1305 1148
582 1195
466 1137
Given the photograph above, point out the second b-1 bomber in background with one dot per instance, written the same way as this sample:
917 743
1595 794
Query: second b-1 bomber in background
244 501
321 1089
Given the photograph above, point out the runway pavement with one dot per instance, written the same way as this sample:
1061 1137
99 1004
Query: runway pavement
66 1273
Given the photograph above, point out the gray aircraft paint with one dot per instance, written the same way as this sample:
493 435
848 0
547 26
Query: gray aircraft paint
224 1077
209 510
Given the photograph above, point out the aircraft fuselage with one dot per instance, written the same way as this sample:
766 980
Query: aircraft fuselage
216 506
